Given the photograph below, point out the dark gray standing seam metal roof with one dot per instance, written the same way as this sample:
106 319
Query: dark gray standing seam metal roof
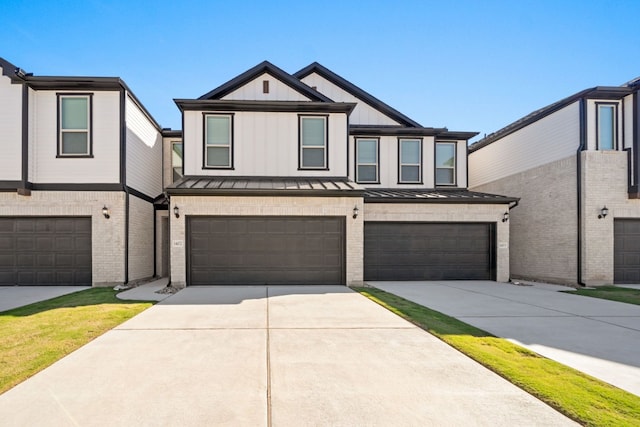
599 92
265 186
429 195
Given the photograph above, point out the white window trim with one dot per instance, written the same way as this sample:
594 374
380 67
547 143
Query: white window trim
454 167
207 145
376 164
324 147
614 109
87 131
400 164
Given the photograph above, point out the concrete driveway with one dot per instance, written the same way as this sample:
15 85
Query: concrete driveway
17 296
269 356
595 336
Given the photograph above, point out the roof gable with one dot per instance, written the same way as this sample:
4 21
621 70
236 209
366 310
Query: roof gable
254 74
354 90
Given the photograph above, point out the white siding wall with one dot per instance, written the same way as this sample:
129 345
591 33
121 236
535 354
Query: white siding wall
102 168
10 130
278 91
264 144
552 138
628 121
389 163
144 152
591 122
363 114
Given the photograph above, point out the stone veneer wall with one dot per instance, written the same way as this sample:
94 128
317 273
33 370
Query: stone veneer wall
267 206
543 227
107 235
442 212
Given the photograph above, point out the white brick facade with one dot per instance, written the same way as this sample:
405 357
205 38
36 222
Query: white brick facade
267 206
442 212
107 235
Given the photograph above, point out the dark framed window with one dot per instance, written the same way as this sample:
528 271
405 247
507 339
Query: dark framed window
367 160
177 160
410 161
445 163
218 141
313 145
606 126
74 125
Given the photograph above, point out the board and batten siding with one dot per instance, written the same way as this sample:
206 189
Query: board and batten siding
103 167
554 137
363 114
10 129
144 151
264 144
388 162
253 91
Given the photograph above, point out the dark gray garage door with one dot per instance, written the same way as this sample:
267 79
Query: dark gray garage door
45 251
265 250
429 251
626 249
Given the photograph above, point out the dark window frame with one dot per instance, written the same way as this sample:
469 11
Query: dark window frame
301 167
615 124
59 97
357 164
204 142
420 164
455 163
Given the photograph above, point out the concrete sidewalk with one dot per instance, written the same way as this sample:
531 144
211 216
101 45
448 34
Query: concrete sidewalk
269 356
595 336
18 296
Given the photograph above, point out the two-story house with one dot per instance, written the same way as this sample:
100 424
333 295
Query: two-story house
80 168
307 179
575 166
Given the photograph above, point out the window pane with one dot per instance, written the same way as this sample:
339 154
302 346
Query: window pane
75 114
444 176
218 156
606 127
410 151
74 143
445 155
367 151
410 174
312 157
176 156
313 131
367 173
218 130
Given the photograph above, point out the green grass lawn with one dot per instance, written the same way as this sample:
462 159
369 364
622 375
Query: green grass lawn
589 401
35 336
613 293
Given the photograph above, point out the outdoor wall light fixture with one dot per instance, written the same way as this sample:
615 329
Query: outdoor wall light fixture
176 211
603 213
505 217
356 211
105 212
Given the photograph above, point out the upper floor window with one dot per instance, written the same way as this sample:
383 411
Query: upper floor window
445 163
218 141
367 160
606 123
313 142
410 164
74 125
176 160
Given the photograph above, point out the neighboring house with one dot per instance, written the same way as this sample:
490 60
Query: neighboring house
306 179
80 168
568 162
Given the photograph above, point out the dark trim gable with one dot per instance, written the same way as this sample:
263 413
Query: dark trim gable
265 67
357 92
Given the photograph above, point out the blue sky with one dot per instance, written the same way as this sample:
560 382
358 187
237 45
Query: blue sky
466 65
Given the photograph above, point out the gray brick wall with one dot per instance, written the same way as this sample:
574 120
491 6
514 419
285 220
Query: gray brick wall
140 239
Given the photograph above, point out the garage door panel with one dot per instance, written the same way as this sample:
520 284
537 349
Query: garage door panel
45 251
428 251
266 250
626 250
